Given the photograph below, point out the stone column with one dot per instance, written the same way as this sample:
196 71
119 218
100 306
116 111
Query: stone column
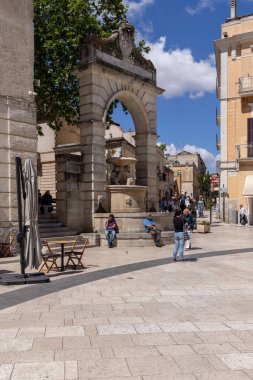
92 138
70 208
146 166
18 137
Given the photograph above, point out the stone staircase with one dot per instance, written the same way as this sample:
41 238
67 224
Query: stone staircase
50 227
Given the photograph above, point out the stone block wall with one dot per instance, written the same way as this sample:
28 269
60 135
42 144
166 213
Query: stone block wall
18 134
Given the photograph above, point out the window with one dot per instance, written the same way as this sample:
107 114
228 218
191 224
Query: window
250 137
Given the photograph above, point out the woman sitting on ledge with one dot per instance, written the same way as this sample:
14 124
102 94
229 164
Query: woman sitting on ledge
110 230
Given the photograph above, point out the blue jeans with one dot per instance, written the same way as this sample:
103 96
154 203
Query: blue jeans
179 245
200 210
110 236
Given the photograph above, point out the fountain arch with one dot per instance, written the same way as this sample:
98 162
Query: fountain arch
114 69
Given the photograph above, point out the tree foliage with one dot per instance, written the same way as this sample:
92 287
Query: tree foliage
60 27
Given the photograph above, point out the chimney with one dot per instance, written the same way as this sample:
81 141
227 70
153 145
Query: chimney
232 9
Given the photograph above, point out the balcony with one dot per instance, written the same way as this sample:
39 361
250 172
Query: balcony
244 153
245 86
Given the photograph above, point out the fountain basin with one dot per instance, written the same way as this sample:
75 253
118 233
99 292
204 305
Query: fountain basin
130 198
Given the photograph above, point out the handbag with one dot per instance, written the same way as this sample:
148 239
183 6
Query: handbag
186 235
116 229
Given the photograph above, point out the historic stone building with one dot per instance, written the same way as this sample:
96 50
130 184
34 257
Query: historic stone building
18 134
187 167
234 54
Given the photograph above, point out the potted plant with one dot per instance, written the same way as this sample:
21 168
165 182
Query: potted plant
203 227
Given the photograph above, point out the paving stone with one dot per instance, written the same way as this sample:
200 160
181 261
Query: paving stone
152 339
78 354
90 321
75 343
8 345
8 333
64 331
156 366
135 352
111 341
244 346
238 361
125 319
178 327
102 368
245 336
26 356
115 329
31 332
193 363
185 338
214 348
175 350
147 328
71 371
224 375
211 326
38 371
107 353
240 325
218 336
5 371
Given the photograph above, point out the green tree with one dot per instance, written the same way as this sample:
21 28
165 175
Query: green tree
204 184
60 27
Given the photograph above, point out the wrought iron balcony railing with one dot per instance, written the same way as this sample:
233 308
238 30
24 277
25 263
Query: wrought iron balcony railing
245 86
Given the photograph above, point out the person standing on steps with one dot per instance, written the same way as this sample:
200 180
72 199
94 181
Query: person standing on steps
178 236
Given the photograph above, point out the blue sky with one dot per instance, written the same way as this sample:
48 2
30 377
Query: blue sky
181 34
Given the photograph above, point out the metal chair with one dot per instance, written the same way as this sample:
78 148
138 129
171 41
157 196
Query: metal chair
76 255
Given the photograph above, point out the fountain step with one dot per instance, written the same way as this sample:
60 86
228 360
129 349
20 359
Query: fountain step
138 239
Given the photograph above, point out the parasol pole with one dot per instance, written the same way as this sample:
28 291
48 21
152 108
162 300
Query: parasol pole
20 236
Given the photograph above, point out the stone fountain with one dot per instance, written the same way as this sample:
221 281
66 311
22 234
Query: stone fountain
122 193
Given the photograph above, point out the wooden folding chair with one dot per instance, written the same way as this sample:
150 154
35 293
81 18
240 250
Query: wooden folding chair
75 256
7 243
49 258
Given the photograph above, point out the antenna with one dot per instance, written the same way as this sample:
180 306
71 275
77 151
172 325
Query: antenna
232 9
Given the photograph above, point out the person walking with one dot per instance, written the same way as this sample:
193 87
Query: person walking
110 230
189 224
200 207
178 236
243 216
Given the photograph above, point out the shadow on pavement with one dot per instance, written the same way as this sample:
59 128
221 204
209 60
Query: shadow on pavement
30 292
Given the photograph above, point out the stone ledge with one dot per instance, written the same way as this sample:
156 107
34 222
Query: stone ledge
138 239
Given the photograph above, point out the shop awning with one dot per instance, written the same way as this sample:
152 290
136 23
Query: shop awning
248 186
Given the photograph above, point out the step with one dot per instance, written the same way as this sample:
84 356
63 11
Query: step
139 239
55 229
64 233
50 225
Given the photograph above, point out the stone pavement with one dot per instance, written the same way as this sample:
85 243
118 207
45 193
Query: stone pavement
133 314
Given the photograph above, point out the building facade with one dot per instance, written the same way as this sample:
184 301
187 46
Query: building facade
18 132
187 167
234 57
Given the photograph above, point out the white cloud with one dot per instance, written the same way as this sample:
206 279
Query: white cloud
200 6
135 7
208 157
179 73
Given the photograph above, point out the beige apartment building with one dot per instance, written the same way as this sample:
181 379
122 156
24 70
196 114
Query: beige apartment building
234 59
